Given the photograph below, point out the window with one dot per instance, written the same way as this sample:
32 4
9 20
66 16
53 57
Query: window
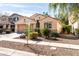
15 19
47 25
37 24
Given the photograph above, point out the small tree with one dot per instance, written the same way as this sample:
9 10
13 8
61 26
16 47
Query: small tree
46 32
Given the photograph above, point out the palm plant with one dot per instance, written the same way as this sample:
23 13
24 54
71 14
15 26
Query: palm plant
63 10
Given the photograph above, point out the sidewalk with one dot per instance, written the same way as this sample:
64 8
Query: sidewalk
43 43
13 52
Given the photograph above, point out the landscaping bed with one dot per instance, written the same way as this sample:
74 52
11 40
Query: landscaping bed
58 40
40 49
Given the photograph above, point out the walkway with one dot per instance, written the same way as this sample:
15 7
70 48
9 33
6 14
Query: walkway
43 43
13 52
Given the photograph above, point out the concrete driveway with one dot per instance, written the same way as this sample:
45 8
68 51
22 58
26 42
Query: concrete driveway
12 52
9 36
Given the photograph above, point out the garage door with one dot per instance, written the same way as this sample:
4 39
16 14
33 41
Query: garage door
21 27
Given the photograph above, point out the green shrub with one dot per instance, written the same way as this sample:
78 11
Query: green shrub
33 35
77 31
46 32
54 34
39 32
26 31
66 29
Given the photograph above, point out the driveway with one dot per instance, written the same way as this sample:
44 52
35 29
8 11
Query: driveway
9 36
13 52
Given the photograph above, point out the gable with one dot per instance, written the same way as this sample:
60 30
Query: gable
37 16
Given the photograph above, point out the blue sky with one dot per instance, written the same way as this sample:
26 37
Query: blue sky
26 9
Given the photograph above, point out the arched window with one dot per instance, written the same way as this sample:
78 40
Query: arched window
17 18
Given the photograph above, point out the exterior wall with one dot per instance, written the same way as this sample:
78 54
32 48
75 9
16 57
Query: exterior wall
37 16
55 25
32 26
59 27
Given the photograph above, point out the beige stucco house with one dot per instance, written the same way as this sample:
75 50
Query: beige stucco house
4 23
47 22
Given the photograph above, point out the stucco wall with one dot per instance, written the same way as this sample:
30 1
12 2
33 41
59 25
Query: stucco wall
55 25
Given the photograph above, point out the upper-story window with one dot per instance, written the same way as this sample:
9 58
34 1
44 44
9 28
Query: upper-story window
15 18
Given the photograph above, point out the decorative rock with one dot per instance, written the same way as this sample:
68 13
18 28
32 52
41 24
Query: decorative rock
54 48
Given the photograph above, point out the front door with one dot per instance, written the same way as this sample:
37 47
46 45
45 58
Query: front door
13 28
1 28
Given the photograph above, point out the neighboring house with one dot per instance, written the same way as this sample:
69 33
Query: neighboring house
4 23
47 22
13 19
23 24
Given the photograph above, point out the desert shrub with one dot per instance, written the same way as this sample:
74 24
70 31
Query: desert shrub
46 32
33 35
66 29
54 34
39 31
77 31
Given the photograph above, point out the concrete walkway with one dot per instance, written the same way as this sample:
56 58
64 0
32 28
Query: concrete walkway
13 52
43 43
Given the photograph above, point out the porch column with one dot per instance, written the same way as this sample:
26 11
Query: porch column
9 27
4 26
15 27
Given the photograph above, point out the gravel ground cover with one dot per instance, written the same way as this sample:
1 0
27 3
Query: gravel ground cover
40 49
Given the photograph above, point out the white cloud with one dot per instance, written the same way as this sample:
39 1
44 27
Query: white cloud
21 13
